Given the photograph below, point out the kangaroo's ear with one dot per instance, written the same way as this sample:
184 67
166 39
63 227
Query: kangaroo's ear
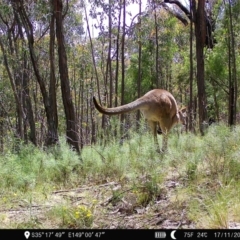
183 110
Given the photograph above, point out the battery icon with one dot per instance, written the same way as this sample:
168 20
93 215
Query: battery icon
160 234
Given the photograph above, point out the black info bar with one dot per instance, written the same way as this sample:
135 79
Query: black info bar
110 234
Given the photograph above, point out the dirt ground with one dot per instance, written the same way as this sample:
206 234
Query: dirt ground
108 213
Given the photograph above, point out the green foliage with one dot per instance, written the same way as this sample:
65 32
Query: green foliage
32 223
149 190
217 62
170 34
72 217
31 166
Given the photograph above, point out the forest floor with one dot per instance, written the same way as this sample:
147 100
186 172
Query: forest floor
109 211
194 186
112 205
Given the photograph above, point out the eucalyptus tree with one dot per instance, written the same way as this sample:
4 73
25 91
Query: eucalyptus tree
200 34
231 20
13 49
28 21
223 78
70 117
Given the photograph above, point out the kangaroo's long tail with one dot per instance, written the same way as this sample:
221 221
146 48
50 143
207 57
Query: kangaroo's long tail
135 105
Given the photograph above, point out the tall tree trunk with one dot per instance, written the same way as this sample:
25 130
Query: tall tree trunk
123 61
190 123
81 105
52 86
139 79
109 60
93 122
117 60
22 83
232 70
117 55
71 125
29 109
158 80
200 33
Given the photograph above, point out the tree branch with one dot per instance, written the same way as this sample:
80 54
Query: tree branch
181 6
176 14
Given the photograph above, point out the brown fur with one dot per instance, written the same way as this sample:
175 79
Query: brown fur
158 106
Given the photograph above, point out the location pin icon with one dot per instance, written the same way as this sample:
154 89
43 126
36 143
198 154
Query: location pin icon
27 234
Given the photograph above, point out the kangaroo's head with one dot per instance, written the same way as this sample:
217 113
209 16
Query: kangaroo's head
182 116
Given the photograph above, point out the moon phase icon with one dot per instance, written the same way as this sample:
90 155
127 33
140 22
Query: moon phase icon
172 234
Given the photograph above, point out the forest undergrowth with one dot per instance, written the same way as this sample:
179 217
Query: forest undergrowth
196 184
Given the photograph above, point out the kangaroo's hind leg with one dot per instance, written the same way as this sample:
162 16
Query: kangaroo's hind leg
153 126
165 125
